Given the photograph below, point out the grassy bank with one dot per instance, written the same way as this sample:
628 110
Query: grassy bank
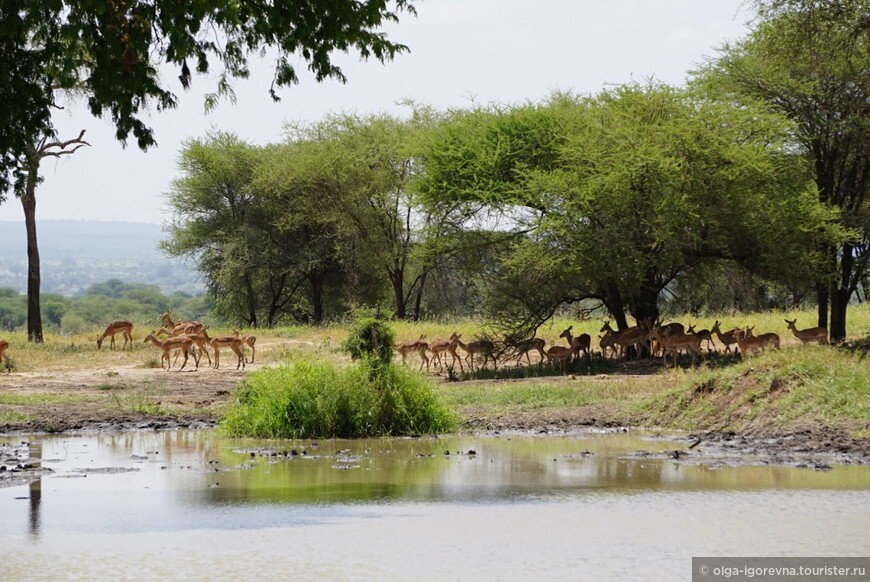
774 392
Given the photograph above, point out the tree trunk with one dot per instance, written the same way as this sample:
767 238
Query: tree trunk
398 280
34 314
614 304
251 299
822 298
317 297
840 295
418 300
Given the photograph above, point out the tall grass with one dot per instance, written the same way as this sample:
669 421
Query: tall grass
318 399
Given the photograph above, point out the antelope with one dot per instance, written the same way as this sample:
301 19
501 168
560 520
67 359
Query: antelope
3 347
676 341
481 346
439 346
634 336
228 341
705 335
418 346
749 343
564 354
607 341
199 338
581 342
812 334
726 338
247 340
526 346
123 327
172 324
182 343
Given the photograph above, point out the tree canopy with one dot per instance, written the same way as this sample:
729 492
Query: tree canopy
111 53
808 60
615 196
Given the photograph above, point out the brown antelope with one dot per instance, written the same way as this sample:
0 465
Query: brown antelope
4 345
812 334
563 355
182 343
705 335
247 340
580 343
227 341
523 348
439 346
727 338
122 327
199 338
633 336
481 346
187 326
748 343
676 341
418 346
607 341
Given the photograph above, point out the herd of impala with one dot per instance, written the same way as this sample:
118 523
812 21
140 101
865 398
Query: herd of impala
188 338
653 339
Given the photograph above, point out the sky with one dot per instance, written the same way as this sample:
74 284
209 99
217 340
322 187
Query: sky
461 52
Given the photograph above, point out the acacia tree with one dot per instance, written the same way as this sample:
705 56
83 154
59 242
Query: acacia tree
614 196
808 59
110 53
264 257
361 168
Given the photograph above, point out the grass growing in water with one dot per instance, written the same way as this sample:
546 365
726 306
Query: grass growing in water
321 400
372 398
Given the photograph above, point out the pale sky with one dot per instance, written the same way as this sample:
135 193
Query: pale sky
461 51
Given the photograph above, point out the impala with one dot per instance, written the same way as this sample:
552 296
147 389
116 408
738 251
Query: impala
812 334
231 342
3 346
705 335
481 346
439 346
182 343
727 338
749 343
418 346
247 340
676 341
527 345
122 327
580 343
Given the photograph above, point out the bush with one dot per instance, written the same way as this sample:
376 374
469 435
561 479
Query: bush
304 400
370 339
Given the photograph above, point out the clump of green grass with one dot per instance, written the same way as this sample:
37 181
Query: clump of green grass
305 399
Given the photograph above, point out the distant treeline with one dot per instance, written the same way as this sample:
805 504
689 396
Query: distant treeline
101 304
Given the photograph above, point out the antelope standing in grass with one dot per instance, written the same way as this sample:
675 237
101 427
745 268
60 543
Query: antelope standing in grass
580 343
476 347
812 334
727 338
418 346
123 327
440 346
676 341
182 343
705 335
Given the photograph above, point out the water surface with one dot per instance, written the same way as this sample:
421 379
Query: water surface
191 505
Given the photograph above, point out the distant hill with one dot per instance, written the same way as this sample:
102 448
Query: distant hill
75 254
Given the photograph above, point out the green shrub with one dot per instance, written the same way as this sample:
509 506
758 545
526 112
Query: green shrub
370 338
303 400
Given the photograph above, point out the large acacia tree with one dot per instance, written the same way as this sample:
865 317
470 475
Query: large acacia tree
810 61
614 196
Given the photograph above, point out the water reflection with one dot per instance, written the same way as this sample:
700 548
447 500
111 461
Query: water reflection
191 505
